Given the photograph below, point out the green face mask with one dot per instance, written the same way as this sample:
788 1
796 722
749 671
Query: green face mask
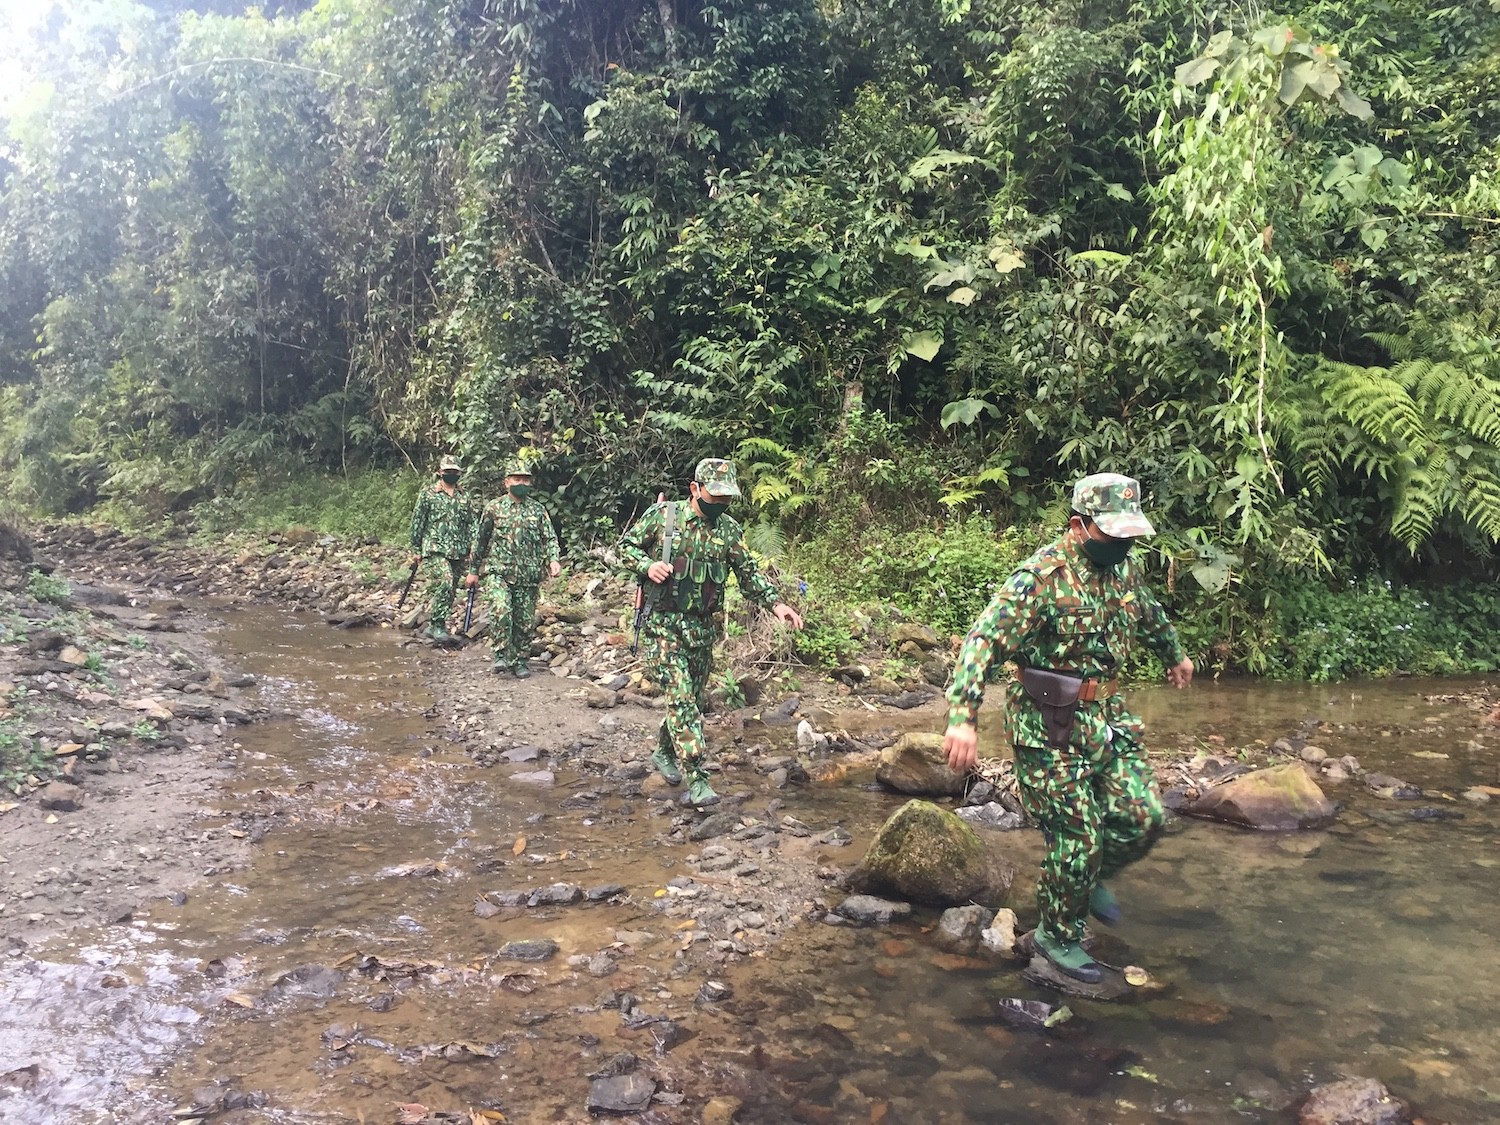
520 491
712 510
1107 555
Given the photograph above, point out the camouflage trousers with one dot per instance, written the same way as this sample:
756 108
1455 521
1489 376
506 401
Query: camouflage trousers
512 619
679 651
440 578
1098 810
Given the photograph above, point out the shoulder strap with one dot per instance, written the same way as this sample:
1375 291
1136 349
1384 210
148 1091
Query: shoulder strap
670 517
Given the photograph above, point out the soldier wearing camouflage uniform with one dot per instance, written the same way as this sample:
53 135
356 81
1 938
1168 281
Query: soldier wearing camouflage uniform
1074 608
442 533
516 546
684 597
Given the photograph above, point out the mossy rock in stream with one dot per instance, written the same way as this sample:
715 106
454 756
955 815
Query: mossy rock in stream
926 854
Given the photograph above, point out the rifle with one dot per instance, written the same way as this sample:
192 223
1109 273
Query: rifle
642 603
407 588
469 607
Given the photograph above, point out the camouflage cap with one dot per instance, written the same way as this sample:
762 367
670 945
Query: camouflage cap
518 467
450 462
717 476
1113 502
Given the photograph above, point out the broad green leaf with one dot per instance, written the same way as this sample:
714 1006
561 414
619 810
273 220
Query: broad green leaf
923 168
966 412
924 345
1274 40
1294 79
1196 71
1374 237
1100 258
963 295
1005 259
962 273
1352 104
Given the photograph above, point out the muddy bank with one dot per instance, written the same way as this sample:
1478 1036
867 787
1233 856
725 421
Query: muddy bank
119 720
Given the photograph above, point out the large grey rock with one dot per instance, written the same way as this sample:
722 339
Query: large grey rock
1354 1101
621 1094
915 764
927 854
61 797
960 926
992 814
868 910
538 949
1279 798
911 632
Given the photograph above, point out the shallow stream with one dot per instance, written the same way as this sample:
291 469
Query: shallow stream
345 973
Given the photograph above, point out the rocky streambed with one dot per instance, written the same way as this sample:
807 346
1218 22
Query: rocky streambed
408 890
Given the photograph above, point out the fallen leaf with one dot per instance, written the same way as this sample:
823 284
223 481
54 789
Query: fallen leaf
51 819
686 925
8 805
519 846
73 747
410 1113
239 1000
1062 1015
238 833
954 961
1136 975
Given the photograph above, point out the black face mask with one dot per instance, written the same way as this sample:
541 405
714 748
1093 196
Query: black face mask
1107 555
449 478
712 510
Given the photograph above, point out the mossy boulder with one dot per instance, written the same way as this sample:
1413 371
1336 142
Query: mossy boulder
926 854
915 765
1279 799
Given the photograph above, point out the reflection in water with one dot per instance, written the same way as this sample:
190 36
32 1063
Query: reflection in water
339 985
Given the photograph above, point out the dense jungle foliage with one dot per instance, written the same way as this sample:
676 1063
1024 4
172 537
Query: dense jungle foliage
916 263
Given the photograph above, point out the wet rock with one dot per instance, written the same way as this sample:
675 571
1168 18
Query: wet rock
1279 798
1384 785
1000 935
667 1033
622 1063
622 1094
509 898
535 777
536 949
934 670
781 714
525 753
906 700
604 891
558 894
1030 1015
929 855
1111 987
1354 1101
714 991
915 764
720 1111
835 837
911 632
59 796
715 824
307 980
851 674
484 908
867 910
628 771
960 926
992 815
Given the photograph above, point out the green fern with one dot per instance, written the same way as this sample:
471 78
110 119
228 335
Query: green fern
1429 425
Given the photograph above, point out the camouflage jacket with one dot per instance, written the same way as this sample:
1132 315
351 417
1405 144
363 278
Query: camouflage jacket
442 524
517 538
1060 613
702 557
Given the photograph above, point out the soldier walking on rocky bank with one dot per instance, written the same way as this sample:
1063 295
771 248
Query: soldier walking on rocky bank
1067 617
682 551
516 545
442 534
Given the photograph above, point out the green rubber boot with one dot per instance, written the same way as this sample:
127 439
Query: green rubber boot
520 671
666 764
1104 906
700 794
1067 957
500 666
439 634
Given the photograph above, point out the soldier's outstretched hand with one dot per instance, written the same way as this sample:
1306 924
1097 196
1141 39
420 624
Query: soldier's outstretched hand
787 615
1180 675
961 745
554 569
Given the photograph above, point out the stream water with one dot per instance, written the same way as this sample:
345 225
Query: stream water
345 973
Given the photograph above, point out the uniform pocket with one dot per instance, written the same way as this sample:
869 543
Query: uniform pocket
1077 622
